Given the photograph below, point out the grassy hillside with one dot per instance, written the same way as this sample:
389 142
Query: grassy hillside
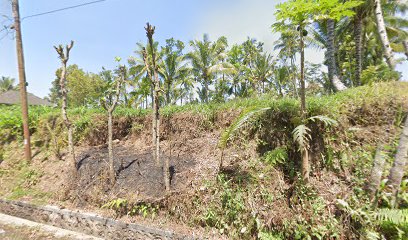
256 194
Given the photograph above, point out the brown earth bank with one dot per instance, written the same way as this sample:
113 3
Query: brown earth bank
246 196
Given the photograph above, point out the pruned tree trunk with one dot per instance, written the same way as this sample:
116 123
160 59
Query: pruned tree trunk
358 38
64 56
112 173
110 108
304 152
154 129
302 77
156 107
400 162
388 54
376 172
154 120
331 50
167 167
156 117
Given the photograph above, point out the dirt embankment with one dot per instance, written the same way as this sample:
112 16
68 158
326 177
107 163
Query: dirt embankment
190 141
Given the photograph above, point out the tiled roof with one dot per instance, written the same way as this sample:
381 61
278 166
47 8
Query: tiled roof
13 97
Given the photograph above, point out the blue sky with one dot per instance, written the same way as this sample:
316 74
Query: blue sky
111 28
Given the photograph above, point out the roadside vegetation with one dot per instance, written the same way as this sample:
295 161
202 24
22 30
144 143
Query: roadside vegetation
230 139
236 199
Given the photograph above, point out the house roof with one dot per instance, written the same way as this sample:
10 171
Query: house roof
13 97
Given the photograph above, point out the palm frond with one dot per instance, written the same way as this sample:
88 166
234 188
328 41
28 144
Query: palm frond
394 216
326 120
301 135
241 120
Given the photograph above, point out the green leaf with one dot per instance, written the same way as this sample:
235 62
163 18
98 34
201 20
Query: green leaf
326 120
394 216
301 135
241 120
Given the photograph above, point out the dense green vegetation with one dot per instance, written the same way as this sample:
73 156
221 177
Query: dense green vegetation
330 105
305 144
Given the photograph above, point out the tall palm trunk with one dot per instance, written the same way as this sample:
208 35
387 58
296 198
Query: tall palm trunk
154 94
294 82
405 43
400 161
376 172
331 50
206 90
168 92
389 57
358 38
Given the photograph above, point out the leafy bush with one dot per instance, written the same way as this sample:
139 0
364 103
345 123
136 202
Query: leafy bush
276 156
11 123
379 73
229 211
124 207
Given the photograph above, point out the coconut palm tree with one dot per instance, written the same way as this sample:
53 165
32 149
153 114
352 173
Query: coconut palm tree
382 32
331 57
281 76
173 68
262 71
364 23
138 70
396 26
362 12
207 61
288 46
236 58
6 84
322 36
186 88
332 11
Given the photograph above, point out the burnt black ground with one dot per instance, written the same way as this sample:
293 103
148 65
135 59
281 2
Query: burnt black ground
136 171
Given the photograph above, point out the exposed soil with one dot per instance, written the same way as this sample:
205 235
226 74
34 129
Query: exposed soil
137 173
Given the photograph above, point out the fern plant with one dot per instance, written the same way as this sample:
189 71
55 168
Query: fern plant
276 156
237 124
373 220
301 134
393 216
228 133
